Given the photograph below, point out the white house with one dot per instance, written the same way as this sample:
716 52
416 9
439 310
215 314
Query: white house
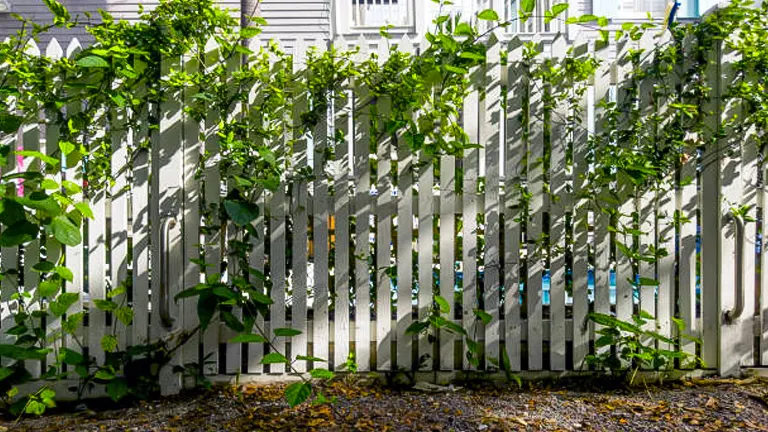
290 20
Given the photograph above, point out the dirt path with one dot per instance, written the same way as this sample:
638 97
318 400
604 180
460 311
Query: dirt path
261 408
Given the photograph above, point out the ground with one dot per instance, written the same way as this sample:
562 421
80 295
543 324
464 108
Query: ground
704 405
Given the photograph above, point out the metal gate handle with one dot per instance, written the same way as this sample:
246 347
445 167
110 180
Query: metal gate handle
731 315
168 223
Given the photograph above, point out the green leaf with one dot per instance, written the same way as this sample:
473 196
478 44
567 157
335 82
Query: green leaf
242 213
124 314
49 288
206 307
43 266
64 273
472 56
34 407
484 316
310 358
297 393
5 373
232 321
527 6
488 15
21 353
84 209
321 374
559 8
10 123
442 304
417 327
117 389
456 70
92 61
103 374
248 338
273 357
105 305
65 231
286 332
62 303
18 233
463 29
109 343
71 357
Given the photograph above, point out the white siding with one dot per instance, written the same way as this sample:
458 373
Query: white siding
287 19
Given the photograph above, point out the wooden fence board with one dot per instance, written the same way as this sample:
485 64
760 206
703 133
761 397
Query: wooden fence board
560 202
490 135
535 250
341 271
362 206
384 214
513 174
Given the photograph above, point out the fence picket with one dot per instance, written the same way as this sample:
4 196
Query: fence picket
514 148
320 242
535 251
624 241
53 249
469 196
602 244
580 220
687 205
404 253
166 165
362 205
490 130
560 202
299 204
341 271
192 146
211 198
384 214
425 238
665 207
121 142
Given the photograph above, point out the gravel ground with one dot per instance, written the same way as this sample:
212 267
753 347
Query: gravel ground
704 406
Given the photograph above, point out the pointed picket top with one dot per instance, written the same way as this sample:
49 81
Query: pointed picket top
211 53
340 43
54 51
515 45
422 44
559 46
74 48
363 49
255 44
320 44
493 41
580 44
382 49
648 43
31 48
405 45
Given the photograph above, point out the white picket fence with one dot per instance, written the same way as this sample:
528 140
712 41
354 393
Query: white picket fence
355 307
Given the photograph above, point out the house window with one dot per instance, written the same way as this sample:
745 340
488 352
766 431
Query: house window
639 9
377 13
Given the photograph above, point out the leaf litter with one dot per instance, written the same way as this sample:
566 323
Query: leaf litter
704 405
